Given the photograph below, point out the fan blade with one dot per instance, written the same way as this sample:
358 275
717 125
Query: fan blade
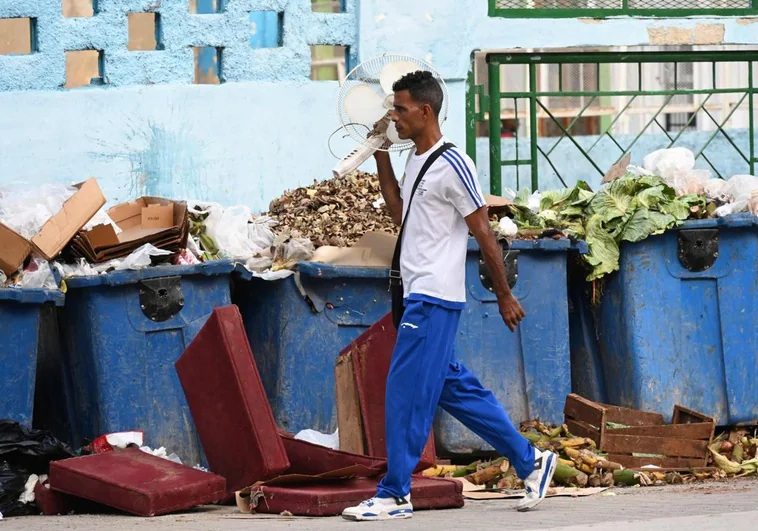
393 135
393 72
364 106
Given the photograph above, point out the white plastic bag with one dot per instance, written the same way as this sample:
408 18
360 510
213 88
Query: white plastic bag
752 204
534 202
289 252
228 228
506 228
322 439
715 191
676 166
81 268
139 259
38 275
740 188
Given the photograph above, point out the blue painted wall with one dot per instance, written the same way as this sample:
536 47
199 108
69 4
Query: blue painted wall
149 130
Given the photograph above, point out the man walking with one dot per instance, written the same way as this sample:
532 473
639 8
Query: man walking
447 204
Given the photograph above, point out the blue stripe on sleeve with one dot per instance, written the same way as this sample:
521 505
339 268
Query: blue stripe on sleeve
474 196
472 181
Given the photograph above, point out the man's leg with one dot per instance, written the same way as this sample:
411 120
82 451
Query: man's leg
467 400
417 375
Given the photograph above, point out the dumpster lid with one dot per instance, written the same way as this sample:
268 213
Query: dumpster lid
732 221
120 278
32 296
542 244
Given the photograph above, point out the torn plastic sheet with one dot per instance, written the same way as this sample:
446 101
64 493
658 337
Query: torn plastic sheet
139 259
37 275
26 210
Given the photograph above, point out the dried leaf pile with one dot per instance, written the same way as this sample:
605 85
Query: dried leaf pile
335 212
580 464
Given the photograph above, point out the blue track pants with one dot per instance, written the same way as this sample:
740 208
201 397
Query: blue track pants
423 375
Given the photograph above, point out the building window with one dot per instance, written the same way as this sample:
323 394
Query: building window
607 8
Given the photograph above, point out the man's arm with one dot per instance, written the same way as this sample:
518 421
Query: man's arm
510 309
390 188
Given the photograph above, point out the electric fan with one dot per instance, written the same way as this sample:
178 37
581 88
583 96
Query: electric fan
366 98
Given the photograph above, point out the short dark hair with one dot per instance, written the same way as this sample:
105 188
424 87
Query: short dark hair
423 88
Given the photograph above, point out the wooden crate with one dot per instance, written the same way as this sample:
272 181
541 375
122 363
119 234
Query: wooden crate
684 444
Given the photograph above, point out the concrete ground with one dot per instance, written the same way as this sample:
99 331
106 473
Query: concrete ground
729 506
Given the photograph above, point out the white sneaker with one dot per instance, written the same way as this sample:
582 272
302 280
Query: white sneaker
538 482
380 509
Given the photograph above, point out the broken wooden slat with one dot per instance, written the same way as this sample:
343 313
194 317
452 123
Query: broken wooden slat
628 444
582 429
583 410
681 463
631 417
683 415
700 431
348 407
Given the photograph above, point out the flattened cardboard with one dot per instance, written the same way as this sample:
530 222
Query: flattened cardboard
158 216
55 234
161 230
374 249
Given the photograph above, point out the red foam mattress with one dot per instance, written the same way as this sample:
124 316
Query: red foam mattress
330 499
311 459
372 355
136 482
229 404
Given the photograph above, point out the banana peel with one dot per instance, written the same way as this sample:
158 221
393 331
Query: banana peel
730 467
439 471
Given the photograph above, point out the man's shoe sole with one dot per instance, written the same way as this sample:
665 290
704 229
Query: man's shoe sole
550 473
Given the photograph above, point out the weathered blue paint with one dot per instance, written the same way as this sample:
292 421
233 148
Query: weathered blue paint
295 347
20 328
528 371
207 58
120 363
671 336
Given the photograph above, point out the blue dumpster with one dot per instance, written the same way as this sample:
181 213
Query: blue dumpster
529 371
21 328
587 374
122 333
297 327
678 323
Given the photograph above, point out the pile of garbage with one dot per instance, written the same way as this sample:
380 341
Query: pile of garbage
633 204
582 465
336 212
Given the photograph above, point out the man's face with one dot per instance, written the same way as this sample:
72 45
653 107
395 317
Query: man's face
410 117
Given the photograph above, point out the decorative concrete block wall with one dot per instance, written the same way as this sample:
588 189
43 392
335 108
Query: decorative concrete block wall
180 31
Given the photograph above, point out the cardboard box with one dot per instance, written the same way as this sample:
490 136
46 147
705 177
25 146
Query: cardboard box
161 222
55 233
374 249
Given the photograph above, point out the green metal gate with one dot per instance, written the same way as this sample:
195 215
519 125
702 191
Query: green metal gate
535 100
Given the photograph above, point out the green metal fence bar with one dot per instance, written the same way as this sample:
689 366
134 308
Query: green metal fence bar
603 93
692 118
573 140
751 111
573 122
496 184
533 125
536 102
726 135
471 116
719 127
642 131
608 129
557 173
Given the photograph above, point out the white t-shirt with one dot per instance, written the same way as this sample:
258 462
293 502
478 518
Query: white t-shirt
433 259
